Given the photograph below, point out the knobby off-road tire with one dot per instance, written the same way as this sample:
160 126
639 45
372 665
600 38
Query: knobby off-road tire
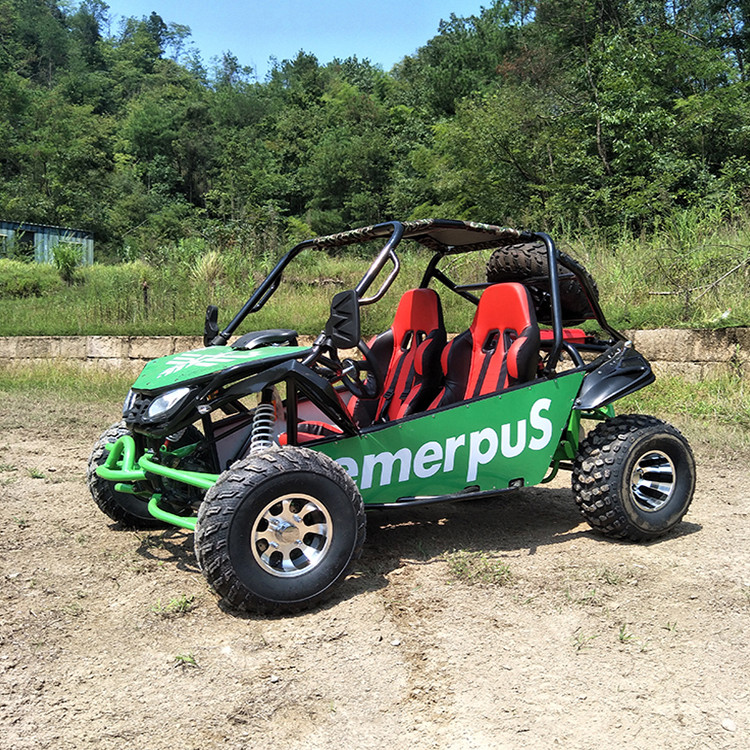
528 259
129 511
279 530
634 477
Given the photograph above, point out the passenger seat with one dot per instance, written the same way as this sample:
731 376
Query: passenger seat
500 348
409 353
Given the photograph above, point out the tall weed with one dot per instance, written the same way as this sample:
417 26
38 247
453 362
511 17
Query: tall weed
19 280
694 271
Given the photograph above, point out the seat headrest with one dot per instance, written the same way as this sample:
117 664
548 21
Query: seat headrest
418 310
503 306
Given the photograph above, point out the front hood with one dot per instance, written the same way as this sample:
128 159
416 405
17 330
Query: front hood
181 368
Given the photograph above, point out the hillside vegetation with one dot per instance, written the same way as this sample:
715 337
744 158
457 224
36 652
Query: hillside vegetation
620 126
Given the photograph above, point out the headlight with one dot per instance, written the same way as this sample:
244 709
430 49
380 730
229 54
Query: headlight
167 402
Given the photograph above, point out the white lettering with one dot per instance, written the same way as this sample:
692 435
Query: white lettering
541 423
452 444
433 456
508 450
476 455
429 453
386 461
350 465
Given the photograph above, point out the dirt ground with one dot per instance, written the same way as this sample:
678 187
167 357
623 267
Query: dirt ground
111 639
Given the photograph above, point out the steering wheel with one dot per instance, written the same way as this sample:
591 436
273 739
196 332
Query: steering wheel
351 374
325 361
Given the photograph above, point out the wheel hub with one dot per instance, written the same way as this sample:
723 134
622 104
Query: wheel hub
291 535
652 481
286 533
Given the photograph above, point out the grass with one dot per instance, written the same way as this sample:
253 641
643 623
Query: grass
185 660
692 273
624 635
611 577
66 382
723 400
714 412
582 641
473 567
140 299
176 607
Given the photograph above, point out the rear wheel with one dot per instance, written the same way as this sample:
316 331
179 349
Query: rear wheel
279 530
634 477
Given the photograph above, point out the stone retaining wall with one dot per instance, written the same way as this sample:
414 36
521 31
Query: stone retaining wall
692 354
695 355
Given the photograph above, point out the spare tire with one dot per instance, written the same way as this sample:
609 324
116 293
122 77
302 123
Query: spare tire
527 260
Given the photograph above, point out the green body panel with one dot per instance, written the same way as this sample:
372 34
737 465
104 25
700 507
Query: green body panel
483 445
122 465
186 366
487 444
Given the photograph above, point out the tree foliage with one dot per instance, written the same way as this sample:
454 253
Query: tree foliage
598 113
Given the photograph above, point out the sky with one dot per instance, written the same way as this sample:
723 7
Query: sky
382 31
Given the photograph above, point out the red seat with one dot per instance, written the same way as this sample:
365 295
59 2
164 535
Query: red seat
409 356
409 353
500 349
308 431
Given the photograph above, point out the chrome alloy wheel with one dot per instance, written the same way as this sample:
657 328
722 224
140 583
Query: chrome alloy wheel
291 535
652 481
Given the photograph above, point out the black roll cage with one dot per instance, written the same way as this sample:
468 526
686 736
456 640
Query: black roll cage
446 237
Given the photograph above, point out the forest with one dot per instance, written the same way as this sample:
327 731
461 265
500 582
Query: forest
617 121
559 113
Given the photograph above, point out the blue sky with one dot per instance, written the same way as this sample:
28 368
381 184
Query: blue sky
383 31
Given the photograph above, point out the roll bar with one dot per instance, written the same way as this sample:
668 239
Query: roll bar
271 283
439 235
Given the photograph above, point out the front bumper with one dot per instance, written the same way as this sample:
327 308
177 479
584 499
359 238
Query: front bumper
123 467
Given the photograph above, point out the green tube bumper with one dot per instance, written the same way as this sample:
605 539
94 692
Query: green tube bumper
122 467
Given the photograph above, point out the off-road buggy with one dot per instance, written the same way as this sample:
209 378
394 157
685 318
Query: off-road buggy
272 451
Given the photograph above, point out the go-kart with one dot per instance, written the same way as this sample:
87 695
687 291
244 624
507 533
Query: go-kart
272 451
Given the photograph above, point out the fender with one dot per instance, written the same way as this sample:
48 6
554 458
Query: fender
619 371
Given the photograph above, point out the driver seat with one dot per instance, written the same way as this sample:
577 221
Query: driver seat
408 354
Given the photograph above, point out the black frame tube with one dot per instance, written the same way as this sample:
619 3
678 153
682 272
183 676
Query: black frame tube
554 283
271 283
263 293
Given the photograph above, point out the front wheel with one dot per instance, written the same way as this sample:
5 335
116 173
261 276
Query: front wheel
129 510
278 530
634 477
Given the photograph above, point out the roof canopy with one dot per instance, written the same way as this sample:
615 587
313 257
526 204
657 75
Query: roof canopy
442 235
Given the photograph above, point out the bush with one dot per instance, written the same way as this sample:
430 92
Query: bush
66 257
19 280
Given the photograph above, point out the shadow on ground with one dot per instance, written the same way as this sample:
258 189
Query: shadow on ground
523 520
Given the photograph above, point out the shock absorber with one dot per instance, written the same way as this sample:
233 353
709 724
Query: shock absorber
264 418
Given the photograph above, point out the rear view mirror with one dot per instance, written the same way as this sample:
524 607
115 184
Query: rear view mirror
343 326
211 328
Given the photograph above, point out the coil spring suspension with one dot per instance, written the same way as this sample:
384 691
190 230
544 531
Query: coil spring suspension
264 418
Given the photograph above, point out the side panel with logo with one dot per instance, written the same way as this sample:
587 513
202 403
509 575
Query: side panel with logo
483 445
